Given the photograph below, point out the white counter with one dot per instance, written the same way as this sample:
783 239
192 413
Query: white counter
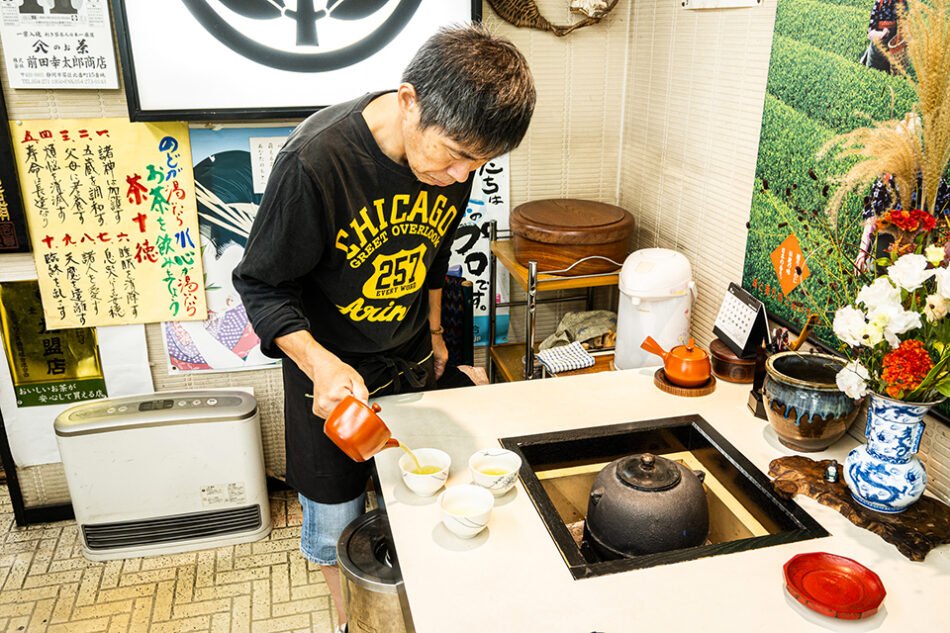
511 577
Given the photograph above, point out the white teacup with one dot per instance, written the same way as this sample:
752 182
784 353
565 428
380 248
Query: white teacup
495 469
425 485
466 509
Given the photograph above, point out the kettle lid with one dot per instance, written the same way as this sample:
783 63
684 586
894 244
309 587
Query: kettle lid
648 472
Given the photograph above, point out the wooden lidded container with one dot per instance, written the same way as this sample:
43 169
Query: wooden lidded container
729 367
558 232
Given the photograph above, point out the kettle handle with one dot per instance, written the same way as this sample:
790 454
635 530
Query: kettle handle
653 347
700 475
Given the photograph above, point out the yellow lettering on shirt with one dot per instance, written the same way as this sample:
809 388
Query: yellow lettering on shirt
350 250
447 220
366 226
358 310
437 208
397 217
396 275
381 213
427 217
419 208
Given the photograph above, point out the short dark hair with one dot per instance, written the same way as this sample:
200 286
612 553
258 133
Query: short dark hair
476 87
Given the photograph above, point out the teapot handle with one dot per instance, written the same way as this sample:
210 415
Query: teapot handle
700 475
653 347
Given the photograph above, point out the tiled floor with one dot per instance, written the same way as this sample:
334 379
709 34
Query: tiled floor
46 586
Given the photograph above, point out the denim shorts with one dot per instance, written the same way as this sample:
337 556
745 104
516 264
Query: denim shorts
322 525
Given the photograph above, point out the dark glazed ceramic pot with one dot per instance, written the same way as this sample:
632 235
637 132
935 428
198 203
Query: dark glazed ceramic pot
805 407
643 504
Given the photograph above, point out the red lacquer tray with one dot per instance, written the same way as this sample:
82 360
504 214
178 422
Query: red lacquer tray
834 585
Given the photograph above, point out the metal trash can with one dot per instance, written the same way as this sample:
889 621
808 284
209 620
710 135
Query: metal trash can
374 596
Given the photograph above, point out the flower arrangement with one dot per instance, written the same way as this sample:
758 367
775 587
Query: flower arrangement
896 332
890 308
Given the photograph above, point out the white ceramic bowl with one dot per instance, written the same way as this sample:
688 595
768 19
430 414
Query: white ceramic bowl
466 509
495 469
425 485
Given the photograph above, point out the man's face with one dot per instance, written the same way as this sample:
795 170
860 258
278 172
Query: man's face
434 158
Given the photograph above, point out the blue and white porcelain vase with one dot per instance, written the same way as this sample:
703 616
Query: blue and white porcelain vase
885 475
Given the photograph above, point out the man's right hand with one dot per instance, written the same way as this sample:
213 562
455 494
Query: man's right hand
332 379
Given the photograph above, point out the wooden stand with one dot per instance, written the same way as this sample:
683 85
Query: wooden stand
663 384
915 531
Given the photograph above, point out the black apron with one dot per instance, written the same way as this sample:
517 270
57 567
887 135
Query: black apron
316 467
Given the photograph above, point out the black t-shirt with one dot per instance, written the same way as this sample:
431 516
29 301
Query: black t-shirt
346 242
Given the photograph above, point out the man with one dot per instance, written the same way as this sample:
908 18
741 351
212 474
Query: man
344 265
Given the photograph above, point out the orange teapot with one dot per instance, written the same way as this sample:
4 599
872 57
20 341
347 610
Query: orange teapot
684 365
355 428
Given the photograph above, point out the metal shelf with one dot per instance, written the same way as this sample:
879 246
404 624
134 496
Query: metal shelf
532 281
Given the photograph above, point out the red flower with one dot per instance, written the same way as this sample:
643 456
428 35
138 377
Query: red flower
905 367
913 220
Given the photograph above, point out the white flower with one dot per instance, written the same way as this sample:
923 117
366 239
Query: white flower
910 271
849 325
881 292
942 275
893 319
852 379
935 254
936 307
873 334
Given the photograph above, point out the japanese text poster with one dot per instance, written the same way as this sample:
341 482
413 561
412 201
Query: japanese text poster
113 220
472 244
229 164
58 44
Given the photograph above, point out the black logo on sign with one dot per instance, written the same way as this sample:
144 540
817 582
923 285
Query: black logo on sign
285 34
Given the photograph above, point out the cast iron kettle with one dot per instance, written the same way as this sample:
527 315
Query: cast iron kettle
644 504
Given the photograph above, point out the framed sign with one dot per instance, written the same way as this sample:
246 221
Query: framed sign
232 59
61 44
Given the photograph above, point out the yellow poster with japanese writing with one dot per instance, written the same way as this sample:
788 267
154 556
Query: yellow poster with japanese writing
113 220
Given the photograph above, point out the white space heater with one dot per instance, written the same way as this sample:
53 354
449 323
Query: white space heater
165 472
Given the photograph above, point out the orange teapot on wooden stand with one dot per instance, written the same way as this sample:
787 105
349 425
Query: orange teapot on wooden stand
684 365
360 433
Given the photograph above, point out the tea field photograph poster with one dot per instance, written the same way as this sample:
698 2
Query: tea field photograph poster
824 80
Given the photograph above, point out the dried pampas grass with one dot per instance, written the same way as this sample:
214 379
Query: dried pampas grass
920 142
889 147
927 28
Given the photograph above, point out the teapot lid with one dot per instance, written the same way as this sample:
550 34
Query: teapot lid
690 351
648 472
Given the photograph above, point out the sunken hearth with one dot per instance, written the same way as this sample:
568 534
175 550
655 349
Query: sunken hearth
558 470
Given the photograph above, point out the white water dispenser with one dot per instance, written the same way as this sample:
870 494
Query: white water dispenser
656 299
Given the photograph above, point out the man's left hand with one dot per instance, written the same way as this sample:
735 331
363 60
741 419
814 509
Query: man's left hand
440 354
